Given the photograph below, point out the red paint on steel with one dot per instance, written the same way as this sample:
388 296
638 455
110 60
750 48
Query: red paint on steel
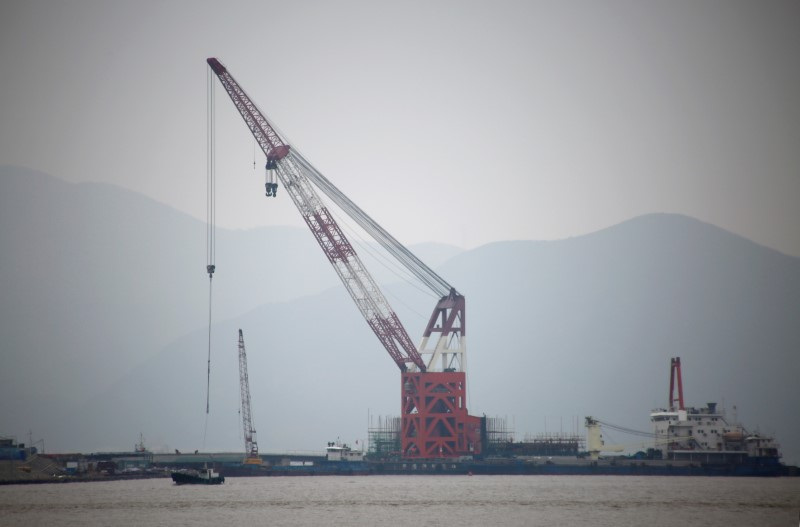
449 316
216 66
361 286
675 371
435 420
270 142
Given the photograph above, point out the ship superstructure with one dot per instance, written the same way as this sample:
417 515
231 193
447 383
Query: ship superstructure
705 434
694 433
338 451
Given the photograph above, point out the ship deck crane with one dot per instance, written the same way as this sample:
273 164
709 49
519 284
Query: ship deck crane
675 372
435 421
250 443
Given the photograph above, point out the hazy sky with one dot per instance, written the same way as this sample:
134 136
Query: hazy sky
458 122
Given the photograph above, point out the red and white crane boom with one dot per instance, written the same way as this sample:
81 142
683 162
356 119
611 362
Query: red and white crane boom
435 419
358 282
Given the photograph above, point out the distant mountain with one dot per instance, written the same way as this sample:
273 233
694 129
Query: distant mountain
556 330
97 279
586 326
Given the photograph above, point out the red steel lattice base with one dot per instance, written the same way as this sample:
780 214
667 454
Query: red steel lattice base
435 418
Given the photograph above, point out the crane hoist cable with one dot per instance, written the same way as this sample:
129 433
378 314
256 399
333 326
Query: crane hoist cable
210 217
269 136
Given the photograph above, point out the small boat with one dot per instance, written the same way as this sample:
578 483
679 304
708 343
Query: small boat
205 477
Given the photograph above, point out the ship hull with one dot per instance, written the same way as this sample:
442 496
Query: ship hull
181 478
580 467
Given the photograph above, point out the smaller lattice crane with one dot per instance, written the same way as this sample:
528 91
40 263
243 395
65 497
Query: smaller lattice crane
250 444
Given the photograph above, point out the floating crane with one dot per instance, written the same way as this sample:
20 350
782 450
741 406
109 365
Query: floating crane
250 444
435 420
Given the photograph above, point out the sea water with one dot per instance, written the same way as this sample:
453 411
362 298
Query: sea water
411 501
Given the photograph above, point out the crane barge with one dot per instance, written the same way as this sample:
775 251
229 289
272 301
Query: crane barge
435 419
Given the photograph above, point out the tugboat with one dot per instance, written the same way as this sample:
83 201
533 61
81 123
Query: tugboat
337 451
205 477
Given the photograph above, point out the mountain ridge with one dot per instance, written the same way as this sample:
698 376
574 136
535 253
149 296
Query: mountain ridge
593 318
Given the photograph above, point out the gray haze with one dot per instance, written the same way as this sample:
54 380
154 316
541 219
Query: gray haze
459 124
490 120
103 336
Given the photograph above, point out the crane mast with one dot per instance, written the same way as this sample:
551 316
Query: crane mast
435 422
250 444
359 283
675 372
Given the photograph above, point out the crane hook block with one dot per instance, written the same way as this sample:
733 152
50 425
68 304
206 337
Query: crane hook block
210 268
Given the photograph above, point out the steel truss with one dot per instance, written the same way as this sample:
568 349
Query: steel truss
435 418
435 422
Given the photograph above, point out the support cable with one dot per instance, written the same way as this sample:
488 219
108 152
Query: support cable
423 273
386 263
210 218
626 430
378 256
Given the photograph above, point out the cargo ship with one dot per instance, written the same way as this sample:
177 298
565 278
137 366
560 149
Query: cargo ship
705 434
683 441
686 441
691 447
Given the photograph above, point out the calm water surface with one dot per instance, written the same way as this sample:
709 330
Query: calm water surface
411 500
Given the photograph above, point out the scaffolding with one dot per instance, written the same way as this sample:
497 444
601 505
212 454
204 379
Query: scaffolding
384 436
552 444
496 435
500 442
544 445
497 431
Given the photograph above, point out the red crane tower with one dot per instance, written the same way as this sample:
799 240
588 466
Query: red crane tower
675 371
250 444
435 420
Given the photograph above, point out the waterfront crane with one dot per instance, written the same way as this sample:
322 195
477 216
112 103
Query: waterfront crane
435 420
250 443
